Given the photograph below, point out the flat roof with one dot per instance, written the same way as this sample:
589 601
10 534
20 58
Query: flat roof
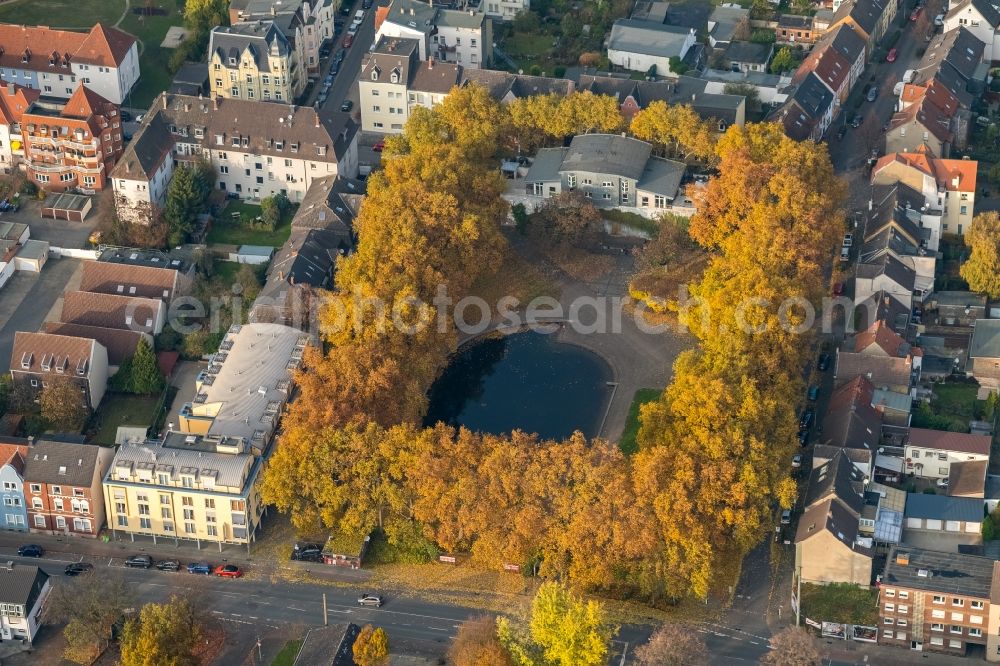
954 573
64 201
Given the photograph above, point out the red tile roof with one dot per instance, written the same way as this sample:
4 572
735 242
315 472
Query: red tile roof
884 338
14 101
102 46
945 172
949 441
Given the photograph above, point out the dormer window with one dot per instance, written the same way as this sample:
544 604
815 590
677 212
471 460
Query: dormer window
375 73
279 145
394 77
232 61
295 147
236 142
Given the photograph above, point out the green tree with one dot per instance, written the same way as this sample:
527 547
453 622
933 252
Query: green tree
677 66
568 630
62 404
186 198
750 92
982 269
162 635
784 60
140 373
371 647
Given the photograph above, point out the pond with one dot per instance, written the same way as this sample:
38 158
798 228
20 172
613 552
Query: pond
526 380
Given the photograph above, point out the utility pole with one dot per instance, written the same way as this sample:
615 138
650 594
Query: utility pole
325 619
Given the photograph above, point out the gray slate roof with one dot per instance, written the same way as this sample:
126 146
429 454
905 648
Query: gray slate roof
328 646
309 257
749 52
259 39
647 38
607 153
987 9
661 176
985 339
21 585
942 507
967 575
546 165
838 478
66 463
726 20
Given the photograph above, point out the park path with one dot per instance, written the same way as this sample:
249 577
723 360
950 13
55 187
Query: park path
124 14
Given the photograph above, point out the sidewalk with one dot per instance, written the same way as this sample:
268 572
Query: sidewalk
851 652
73 548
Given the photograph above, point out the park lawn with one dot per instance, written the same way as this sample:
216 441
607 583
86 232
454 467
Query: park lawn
227 232
840 602
154 76
627 444
122 409
79 14
288 653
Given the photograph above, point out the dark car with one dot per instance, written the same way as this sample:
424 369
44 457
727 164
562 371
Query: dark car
346 9
31 550
806 419
335 67
366 5
168 565
126 116
324 52
78 568
823 363
813 393
200 568
347 105
307 552
228 571
803 437
139 562
341 54
856 121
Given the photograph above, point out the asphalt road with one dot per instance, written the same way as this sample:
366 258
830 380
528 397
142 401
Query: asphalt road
345 83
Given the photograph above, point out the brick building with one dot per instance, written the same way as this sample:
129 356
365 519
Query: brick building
62 485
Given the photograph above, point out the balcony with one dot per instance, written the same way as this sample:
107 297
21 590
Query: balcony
42 167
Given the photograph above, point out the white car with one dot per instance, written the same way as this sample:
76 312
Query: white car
797 461
845 254
848 239
939 20
942 483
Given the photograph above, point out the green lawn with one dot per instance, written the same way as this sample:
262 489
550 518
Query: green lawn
119 409
628 444
530 48
228 232
840 602
61 13
154 77
288 653
953 406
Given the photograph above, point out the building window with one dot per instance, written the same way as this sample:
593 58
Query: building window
168 527
955 629
904 594
189 528
145 524
211 531
955 644
976 605
209 503
957 602
60 523
937 640
937 626
39 521
975 633
188 514
164 513
903 608
164 499
937 614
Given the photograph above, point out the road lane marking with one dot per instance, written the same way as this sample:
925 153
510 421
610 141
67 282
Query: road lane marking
301 610
437 628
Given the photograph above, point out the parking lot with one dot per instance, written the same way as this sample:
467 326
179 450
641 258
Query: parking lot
60 233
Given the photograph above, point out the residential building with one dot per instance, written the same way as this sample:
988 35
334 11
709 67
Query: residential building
889 275
880 355
257 150
455 36
315 18
612 171
947 185
54 62
37 357
796 29
186 487
64 144
838 59
968 478
748 56
868 18
771 89
894 407
828 545
140 281
727 23
850 421
957 308
984 354
62 482
930 453
128 313
809 112
24 590
641 46
394 80
982 19
191 79
12 454
119 343
241 393
505 10
935 601
255 61
929 517
14 102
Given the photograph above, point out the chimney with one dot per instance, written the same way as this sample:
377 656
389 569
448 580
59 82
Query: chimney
164 101
903 559
430 63
215 102
10 89
412 12
317 119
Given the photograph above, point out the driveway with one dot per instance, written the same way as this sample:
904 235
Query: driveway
27 298
60 233
183 380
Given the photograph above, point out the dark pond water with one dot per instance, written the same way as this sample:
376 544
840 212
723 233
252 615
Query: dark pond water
527 380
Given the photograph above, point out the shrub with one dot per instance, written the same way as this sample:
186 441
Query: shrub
559 71
520 218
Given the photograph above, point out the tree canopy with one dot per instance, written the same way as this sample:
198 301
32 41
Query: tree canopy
162 635
62 404
140 373
982 269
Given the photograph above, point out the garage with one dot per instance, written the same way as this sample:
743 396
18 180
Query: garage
63 206
953 526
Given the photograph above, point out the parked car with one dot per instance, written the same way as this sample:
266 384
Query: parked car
335 67
341 54
324 52
367 4
939 20
168 565
228 571
797 460
125 115
856 121
838 289
942 483
848 239
78 568
139 117
891 55
370 600
872 94
915 14
349 39
347 105
786 517
139 562
200 568
30 550
813 393
307 551
328 80
806 418
803 437
823 362
845 254
379 147
321 98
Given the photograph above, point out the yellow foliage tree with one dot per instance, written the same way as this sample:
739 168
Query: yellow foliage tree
982 269
162 635
677 129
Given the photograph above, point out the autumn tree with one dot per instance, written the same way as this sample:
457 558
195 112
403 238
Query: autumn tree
162 635
371 647
558 116
476 644
677 128
982 269
63 405
89 605
784 60
673 645
569 217
792 646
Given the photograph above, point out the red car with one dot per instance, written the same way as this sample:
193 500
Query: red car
379 147
916 13
348 41
838 289
228 571
891 56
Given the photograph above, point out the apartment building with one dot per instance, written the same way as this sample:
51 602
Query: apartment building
931 453
460 37
257 150
315 17
394 80
258 60
13 451
159 277
23 592
505 10
241 393
54 62
62 483
936 601
37 357
185 487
